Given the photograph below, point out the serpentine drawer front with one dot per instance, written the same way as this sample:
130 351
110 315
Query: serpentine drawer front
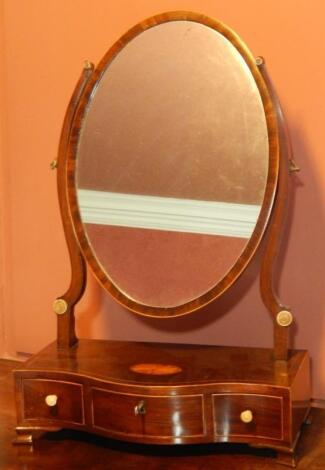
78 389
52 400
164 416
248 415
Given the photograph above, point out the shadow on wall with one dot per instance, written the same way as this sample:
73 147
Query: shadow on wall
303 276
119 323
239 316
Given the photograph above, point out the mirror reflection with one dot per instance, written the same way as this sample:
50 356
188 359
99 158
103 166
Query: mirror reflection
172 163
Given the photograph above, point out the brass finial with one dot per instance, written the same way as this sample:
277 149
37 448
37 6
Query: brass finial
284 318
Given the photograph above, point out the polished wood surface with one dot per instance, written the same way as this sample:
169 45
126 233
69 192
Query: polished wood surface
276 226
162 416
68 409
155 369
96 390
73 449
113 360
94 385
66 336
266 415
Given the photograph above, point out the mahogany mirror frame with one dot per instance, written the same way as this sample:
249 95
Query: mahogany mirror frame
71 158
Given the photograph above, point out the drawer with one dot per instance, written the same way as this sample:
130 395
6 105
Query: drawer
248 415
163 416
52 400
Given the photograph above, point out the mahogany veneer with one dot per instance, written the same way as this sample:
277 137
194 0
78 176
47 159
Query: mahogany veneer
98 391
167 393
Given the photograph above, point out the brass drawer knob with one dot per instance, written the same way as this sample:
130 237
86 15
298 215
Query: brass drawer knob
51 400
246 416
140 408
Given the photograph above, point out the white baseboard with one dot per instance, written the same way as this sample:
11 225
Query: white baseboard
166 213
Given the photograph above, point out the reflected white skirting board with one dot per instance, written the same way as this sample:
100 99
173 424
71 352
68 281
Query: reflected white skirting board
166 213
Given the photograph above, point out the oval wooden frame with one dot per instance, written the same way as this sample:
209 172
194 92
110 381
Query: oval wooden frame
271 185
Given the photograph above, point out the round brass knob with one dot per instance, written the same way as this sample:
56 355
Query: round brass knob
284 318
259 61
60 306
140 408
246 416
51 400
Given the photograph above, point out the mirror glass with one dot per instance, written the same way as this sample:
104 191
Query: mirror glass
172 163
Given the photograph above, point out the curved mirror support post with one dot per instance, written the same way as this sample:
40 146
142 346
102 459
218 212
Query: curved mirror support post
64 305
282 316
123 204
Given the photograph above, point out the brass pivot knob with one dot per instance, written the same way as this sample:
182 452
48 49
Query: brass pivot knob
51 400
88 65
284 318
293 167
140 408
259 61
54 164
246 416
60 306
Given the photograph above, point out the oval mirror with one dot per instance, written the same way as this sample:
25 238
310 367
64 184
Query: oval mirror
174 164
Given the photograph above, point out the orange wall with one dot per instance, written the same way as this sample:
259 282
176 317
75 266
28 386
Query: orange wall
45 45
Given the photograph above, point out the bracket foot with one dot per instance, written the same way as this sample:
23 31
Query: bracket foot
286 458
23 438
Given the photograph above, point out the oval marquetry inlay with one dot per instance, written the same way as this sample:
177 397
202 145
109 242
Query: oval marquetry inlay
155 369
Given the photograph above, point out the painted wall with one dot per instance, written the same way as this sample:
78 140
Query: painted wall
45 43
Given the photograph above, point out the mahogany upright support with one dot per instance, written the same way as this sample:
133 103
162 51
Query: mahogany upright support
282 316
64 305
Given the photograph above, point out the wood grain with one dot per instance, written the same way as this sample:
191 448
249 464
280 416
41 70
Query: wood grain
201 403
69 407
165 416
73 449
66 336
276 228
267 414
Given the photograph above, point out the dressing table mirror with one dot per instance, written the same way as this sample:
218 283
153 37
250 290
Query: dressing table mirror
174 166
